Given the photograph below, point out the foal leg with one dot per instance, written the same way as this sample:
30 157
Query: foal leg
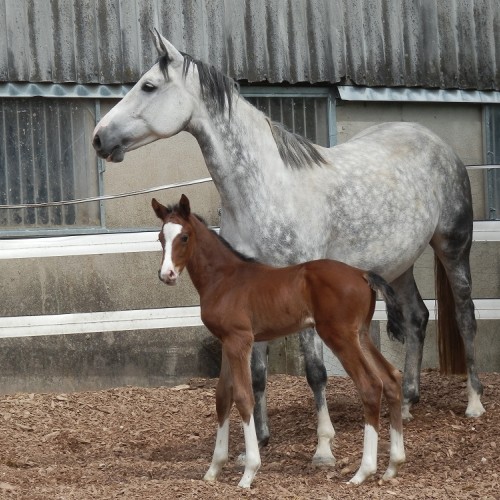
416 316
391 380
347 348
238 353
312 348
259 379
223 401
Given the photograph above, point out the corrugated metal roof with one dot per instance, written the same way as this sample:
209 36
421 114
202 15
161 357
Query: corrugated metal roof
423 43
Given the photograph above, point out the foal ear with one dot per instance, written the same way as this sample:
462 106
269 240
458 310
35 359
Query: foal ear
164 47
184 207
159 209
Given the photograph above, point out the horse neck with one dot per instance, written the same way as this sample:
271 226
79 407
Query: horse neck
235 147
210 260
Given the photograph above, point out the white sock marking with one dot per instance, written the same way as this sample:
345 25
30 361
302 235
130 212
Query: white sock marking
252 454
397 454
474 407
221 452
368 465
326 433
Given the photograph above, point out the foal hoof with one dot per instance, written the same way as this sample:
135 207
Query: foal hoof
392 471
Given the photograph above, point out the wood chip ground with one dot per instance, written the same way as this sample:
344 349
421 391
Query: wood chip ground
137 443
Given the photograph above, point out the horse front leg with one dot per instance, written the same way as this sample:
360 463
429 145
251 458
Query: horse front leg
259 380
223 401
312 349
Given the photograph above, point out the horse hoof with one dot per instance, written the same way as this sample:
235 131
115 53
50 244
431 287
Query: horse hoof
324 461
474 412
406 415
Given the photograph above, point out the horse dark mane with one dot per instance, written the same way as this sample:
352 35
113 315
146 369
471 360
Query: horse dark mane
295 150
218 88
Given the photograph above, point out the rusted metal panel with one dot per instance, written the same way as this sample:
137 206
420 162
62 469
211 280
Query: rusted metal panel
447 44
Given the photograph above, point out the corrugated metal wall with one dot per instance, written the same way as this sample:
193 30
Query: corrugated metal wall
425 43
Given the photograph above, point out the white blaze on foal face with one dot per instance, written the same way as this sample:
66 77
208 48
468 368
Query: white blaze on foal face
169 272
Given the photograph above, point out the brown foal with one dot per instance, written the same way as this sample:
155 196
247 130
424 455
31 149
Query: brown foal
243 301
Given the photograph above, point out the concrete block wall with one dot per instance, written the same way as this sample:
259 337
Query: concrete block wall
122 282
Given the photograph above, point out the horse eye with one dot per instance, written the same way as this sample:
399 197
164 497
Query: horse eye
148 87
184 238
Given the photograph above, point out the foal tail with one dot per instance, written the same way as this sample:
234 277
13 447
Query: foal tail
395 318
450 344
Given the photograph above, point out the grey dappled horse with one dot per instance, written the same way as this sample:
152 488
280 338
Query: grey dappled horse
374 202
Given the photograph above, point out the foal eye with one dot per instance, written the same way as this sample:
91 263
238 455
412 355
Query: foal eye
184 238
148 87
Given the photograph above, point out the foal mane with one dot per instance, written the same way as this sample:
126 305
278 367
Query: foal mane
217 89
245 258
240 255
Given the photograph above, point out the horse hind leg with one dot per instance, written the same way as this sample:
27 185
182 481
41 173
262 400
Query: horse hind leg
416 316
312 349
452 256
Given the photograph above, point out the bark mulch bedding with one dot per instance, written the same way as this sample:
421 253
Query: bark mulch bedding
137 443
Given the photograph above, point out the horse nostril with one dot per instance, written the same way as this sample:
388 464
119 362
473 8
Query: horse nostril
97 142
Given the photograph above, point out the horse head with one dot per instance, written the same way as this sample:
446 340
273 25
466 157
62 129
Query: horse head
159 105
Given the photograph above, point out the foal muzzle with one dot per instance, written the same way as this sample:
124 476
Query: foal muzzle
170 279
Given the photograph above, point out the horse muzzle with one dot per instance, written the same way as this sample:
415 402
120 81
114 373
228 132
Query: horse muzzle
114 154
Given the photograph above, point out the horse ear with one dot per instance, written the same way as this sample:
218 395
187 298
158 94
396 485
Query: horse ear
184 207
160 210
164 47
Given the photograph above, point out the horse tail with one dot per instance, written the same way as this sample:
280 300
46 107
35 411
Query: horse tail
395 318
450 344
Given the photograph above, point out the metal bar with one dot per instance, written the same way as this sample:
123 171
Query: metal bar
332 119
170 317
101 168
107 197
389 94
57 90
138 240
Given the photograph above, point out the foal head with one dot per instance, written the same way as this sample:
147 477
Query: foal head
176 237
